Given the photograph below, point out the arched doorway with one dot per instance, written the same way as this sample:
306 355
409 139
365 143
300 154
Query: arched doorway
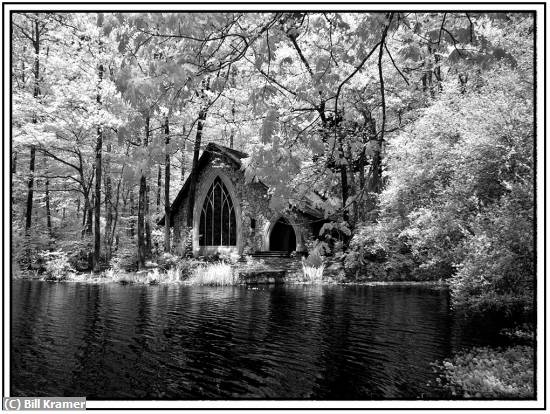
282 236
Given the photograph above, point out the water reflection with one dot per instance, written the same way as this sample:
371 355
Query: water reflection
174 342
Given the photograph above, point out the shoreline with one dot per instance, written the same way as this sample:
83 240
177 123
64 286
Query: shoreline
86 278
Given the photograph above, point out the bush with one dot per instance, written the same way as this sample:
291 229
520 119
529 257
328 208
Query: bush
167 261
498 272
489 373
57 266
313 274
125 258
213 274
27 249
313 267
80 252
314 259
186 267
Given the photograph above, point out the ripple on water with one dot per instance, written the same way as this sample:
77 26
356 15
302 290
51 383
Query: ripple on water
182 342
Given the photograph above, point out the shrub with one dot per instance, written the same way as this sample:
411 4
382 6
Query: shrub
153 278
489 373
186 267
232 258
314 259
313 274
313 267
498 272
27 249
168 260
57 266
213 274
172 275
125 258
80 252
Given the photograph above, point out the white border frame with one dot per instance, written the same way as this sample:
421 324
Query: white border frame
284 404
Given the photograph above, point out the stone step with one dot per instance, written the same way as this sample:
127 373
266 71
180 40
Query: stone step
271 253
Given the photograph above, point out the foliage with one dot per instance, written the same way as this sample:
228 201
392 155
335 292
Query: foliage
56 264
497 272
168 261
313 259
412 133
460 195
213 274
312 274
489 373
125 258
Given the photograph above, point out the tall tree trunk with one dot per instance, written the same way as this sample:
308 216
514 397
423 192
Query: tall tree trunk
148 241
113 229
48 210
193 174
108 203
90 215
142 207
159 185
36 93
141 222
87 215
97 209
167 187
132 211
30 191
232 136
352 186
183 151
370 127
47 199
344 182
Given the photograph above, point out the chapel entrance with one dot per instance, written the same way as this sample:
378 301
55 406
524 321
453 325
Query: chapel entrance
282 237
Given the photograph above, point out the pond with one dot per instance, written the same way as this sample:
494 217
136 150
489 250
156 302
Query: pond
110 341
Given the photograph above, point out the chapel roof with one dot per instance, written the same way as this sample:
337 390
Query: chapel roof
235 157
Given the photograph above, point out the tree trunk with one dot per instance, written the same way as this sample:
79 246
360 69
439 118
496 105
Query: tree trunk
30 191
148 244
370 127
141 222
352 185
90 218
345 187
87 215
97 209
167 188
159 185
108 204
183 151
131 211
232 136
193 175
36 93
48 210
142 208
47 200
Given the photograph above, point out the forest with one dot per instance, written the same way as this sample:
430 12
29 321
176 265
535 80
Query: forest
415 130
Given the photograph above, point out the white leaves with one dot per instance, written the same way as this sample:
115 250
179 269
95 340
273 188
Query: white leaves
269 126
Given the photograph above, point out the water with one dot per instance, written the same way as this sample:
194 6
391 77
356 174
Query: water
180 342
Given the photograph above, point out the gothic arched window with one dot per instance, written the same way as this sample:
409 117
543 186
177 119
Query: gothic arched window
218 226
